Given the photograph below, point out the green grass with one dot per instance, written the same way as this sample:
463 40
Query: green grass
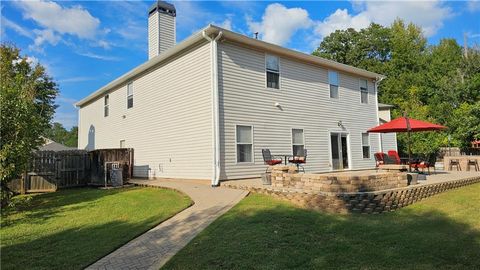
73 228
441 232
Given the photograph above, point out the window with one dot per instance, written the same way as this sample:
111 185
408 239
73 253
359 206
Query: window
129 95
298 143
122 143
333 81
273 72
244 144
105 105
366 145
364 91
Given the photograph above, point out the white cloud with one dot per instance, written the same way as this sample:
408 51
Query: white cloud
100 57
74 80
340 19
429 15
46 35
227 24
473 5
15 27
279 23
75 21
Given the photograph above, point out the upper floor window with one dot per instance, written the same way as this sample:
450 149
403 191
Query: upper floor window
364 91
366 145
273 71
244 143
129 95
298 142
106 101
333 81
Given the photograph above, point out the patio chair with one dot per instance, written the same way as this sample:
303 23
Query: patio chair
427 164
394 155
299 159
270 160
456 163
379 159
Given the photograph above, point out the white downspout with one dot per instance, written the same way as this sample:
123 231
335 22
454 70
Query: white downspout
377 81
215 109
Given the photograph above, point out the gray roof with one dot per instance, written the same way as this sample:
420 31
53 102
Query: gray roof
163 7
54 146
385 106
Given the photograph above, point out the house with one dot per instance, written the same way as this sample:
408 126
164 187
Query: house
50 145
206 107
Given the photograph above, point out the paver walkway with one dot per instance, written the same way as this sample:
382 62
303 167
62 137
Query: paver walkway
154 248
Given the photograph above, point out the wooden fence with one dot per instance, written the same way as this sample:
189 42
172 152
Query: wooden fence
49 170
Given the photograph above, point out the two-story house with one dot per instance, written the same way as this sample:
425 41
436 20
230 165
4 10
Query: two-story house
206 107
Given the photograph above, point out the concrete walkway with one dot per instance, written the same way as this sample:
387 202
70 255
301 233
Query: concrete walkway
154 248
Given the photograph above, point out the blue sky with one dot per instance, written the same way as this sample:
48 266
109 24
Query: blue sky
85 45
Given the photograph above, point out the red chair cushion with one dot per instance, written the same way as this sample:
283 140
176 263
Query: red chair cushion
394 154
297 160
274 162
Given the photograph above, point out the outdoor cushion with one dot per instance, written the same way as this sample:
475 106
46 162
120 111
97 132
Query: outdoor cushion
274 162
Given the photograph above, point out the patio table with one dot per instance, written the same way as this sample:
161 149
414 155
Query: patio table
286 158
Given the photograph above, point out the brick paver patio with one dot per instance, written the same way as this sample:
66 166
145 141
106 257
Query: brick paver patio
154 248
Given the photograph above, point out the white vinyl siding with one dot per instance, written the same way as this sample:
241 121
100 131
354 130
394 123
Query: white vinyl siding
389 140
298 142
129 95
364 91
244 135
170 128
272 69
304 102
366 145
333 83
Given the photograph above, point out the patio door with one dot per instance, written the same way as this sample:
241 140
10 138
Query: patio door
339 149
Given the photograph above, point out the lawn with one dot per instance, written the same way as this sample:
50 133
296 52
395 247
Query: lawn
73 228
441 232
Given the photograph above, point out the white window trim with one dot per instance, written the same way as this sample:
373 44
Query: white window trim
279 72
130 83
106 105
360 88
369 145
338 86
236 144
291 139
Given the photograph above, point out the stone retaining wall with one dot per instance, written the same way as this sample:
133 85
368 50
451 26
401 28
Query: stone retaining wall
365 202
287 177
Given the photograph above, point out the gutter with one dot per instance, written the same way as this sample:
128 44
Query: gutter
215 108
377 81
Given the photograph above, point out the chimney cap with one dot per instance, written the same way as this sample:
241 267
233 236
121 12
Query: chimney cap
163 7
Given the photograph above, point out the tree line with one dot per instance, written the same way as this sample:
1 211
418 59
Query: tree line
437 83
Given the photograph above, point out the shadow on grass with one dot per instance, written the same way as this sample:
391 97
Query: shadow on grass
261 233
73 248
49 205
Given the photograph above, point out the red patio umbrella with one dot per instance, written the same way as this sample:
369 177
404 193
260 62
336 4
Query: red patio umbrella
405 124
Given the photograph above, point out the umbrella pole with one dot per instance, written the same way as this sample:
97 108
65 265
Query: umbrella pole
409 152
409 149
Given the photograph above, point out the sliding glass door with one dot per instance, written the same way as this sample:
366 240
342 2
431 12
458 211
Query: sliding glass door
339 150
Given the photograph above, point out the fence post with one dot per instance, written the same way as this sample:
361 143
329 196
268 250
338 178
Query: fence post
23 184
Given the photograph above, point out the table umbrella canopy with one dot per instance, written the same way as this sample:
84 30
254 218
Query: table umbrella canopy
401 125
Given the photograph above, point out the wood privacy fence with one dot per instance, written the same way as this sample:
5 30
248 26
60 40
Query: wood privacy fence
49 170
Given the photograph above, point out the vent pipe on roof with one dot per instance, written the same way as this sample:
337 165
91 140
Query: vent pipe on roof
161 28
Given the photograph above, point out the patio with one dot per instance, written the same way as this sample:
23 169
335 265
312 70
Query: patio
339 191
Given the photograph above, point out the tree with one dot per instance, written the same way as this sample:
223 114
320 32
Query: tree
436 83
27 106
58 133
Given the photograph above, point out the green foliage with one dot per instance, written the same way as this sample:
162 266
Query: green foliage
27 106
435 83
59 134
